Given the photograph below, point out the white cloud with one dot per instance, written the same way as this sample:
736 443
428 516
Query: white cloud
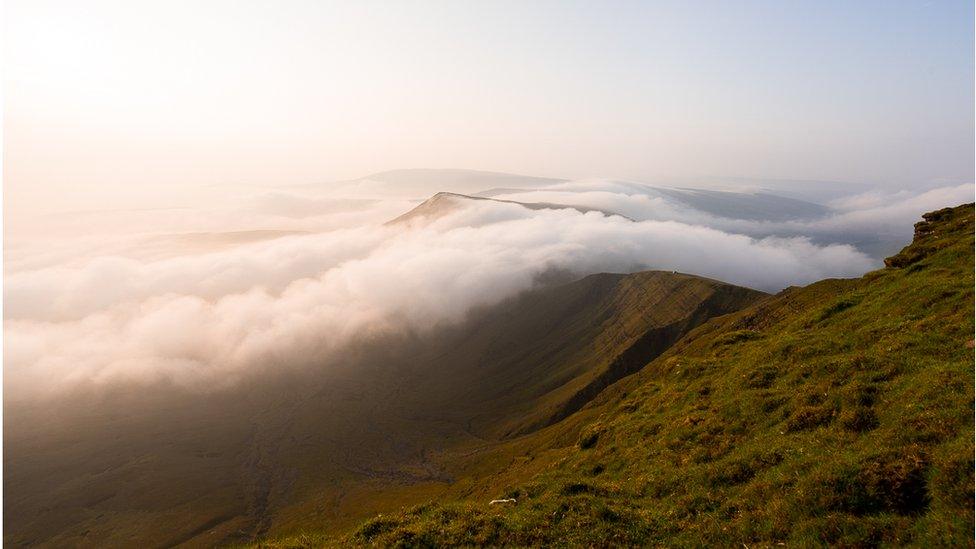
889 213
208 319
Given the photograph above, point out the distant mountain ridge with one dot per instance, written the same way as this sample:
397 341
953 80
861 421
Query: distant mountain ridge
754 205
444 203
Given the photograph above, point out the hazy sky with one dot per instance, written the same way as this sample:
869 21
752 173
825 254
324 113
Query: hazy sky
123 103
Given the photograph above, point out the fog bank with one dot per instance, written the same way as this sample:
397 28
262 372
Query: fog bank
206 317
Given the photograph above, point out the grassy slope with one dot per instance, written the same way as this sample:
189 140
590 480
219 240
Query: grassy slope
337 444
516 366
456 399
841 412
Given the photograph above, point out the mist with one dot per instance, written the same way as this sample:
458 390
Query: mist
161 306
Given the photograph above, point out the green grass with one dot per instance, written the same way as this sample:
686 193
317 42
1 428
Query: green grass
840 413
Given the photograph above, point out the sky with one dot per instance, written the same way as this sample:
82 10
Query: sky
177 203
120 104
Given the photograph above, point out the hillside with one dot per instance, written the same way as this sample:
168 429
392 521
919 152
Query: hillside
398 420
442 406
840 413
539 357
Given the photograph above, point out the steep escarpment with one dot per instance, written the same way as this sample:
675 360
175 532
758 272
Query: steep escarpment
531 361
653 342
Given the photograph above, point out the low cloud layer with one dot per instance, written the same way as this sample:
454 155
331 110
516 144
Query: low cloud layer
865 214
207 319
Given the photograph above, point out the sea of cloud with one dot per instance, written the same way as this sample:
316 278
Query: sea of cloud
100 309
887 212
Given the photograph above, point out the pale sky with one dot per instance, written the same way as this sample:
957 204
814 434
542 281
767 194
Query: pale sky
148 104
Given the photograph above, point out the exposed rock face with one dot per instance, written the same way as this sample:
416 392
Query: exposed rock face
929 232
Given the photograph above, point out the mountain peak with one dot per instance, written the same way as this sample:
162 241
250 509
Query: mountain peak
443 203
